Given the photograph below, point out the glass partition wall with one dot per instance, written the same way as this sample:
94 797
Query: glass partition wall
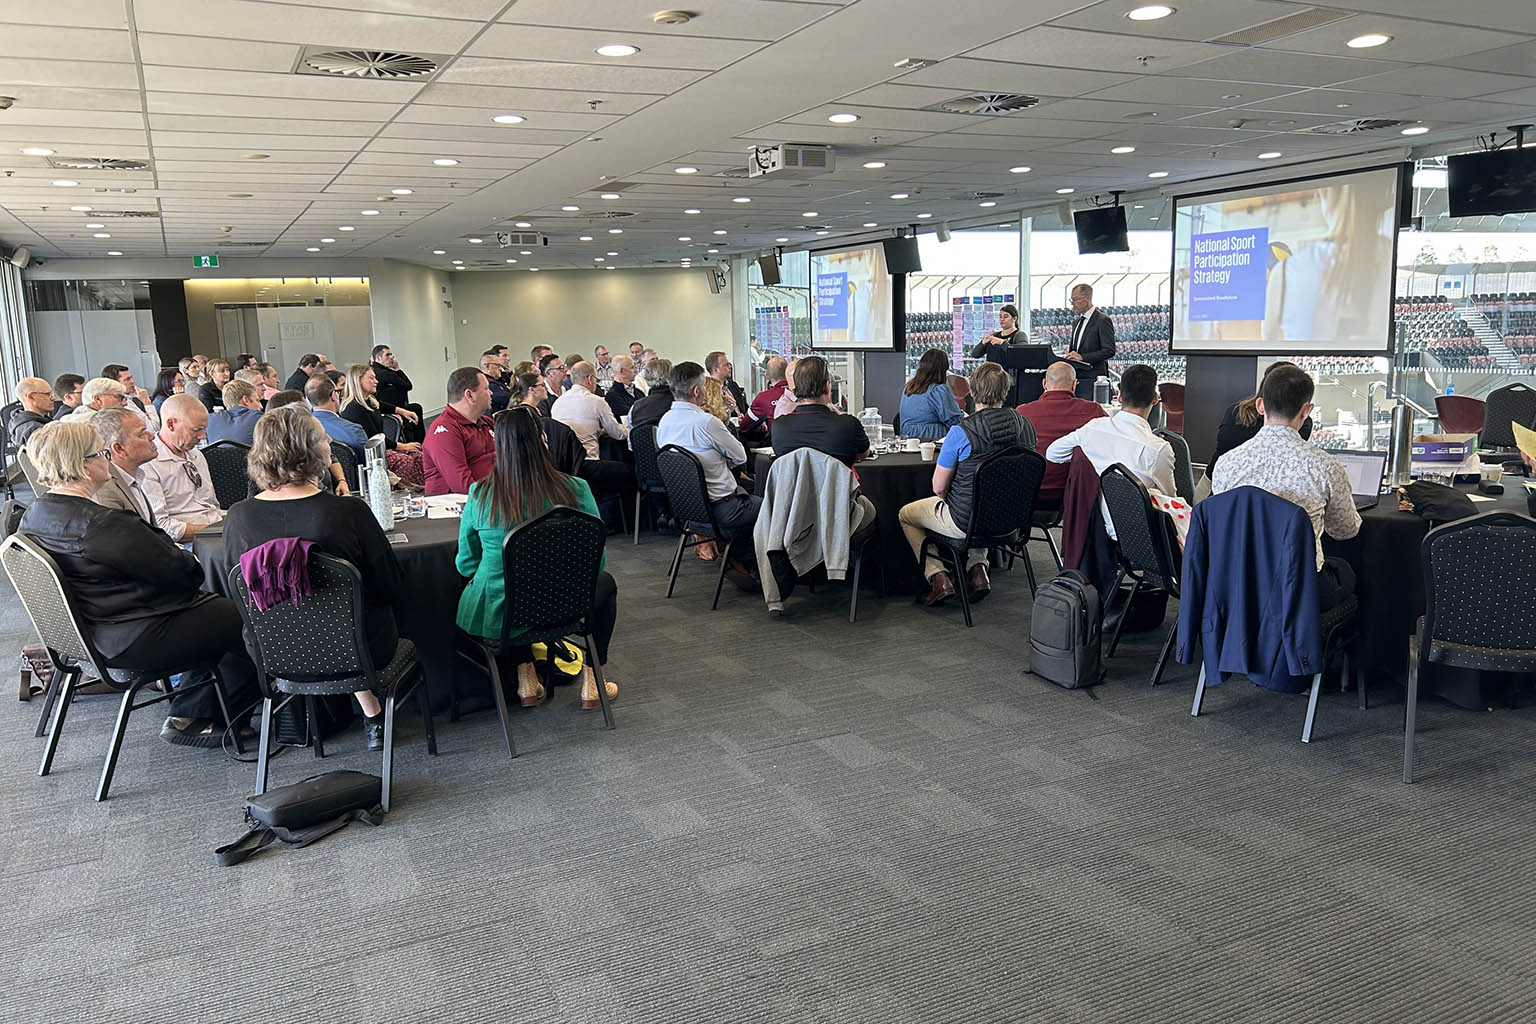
778 323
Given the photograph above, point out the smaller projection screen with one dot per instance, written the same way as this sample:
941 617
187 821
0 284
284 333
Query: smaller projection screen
853 300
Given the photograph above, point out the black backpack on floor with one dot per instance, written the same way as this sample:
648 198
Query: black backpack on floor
1064 632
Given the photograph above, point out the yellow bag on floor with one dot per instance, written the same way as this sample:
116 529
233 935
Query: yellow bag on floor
567 659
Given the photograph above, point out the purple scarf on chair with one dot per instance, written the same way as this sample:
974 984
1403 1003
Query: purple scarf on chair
277 571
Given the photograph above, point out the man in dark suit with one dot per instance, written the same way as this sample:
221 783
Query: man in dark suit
1092 343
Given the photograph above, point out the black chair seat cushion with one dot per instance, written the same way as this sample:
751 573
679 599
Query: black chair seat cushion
1484 659
958 543
126 677
389 676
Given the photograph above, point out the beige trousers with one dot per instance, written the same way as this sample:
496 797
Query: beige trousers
932 514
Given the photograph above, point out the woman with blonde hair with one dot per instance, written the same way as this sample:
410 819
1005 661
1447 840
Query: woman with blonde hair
363 408
714 400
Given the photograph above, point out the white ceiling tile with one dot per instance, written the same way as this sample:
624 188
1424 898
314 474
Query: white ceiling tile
495 134
1519 59
762 20
1474 111
281 146
520 101
210 52
1156 89
877 119
259 126
1416 42
475 10
1513 15
966 75
1097 51
38 41
257 83
66 98
295 23
527 74
527 42
262 106
1452 83
70 13
1254 64
1327 101
63 139
18 76
26 116
460 149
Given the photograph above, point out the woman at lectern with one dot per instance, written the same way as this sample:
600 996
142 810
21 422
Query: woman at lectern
1007 333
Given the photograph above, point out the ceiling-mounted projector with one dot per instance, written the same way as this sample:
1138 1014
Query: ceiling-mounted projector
21 257
795 159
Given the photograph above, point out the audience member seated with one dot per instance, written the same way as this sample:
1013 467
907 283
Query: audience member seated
759 415
693 428
648 411
212 393
1126 438
537 353
176 480
1242 421
1056 413
199 372
501 391
310 363
815 423
290 455
565 448
34 409
237 420
592 418
602 368
69 389
718 365
967 444
321 395
402 457
647 357
137 595
170 382
1279 461
136 398
283 398
928 407
394 389
269 383
129 446
99 393
785 403
622 393
552 369
523 485
459 448
636 351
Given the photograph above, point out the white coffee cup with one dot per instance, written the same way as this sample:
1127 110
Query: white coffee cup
911 444
1491 474
929 450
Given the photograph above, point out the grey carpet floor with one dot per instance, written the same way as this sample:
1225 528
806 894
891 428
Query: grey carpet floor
800 820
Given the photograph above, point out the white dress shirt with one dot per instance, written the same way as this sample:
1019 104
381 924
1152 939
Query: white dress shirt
177 498
1125 438
588 416
691 428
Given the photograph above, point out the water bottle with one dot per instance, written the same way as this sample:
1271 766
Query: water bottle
376 489
1400 446
1450 386
870 418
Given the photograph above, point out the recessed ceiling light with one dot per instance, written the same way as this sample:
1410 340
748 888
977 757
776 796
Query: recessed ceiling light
439 252
37 151
823 232
1138 206
312 248
81 209
741 199
509 119
1122 150
617 50
1020 170
690 210
1342 106
1151 12
1157 174
1368 40
534 269
95 225
1270 155
612 254
1418 129
873 165
101 234
522 224
402 191
898 195
610 268
685 238
598 259
524 252
610 195
474 241
346 227
455 261
1152 219
924 216
719 231
871 224
615 231
66 183
711 251
1065 191
257 156
570 209
114 252
810 213
685 170
369 213
446 161
458 268
843 118
1231 95
781 239
584 238
988 203
511 261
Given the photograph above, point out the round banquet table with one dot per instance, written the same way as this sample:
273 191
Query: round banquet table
1387 557
889 482
427 609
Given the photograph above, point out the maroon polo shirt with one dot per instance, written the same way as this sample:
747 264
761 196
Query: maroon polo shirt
456 453
1056 414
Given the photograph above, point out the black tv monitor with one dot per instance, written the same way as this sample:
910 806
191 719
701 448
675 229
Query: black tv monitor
1491 184
768 267
1101 230
901 255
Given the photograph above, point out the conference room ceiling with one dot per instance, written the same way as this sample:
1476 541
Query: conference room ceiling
248 151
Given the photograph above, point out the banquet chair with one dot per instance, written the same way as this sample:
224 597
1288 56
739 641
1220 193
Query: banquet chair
1173 406
1460 414
1183 469
1002 504
1147 549
1476 573
227 469
29 471
562 555
1512 403
319 646
8 448
47 601
343 454
392 430
10 517
647 477
683 475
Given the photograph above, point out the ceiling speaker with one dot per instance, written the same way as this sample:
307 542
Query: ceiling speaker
21 257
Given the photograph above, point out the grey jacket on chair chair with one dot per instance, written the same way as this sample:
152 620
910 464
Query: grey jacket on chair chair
810 512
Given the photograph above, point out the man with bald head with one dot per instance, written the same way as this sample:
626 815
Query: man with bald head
176 481
1056 413
36 409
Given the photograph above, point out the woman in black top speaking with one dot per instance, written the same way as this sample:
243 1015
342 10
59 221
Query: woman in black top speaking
1007 333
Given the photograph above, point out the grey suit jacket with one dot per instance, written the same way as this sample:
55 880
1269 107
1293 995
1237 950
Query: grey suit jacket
115 493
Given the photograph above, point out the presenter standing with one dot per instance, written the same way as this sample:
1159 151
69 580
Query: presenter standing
1093 341
992 347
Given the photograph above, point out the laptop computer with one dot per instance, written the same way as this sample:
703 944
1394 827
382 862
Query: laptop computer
1366 470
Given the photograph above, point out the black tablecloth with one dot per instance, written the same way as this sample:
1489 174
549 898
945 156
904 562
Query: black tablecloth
426 614
1387 558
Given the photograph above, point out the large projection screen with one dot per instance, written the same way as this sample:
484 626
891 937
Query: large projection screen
1296 267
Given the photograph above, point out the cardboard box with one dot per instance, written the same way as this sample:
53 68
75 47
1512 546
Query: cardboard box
1444 447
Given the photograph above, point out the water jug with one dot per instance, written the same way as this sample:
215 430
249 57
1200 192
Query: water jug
1400 446
870 418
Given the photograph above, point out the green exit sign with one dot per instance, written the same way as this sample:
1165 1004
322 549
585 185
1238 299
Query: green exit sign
205 261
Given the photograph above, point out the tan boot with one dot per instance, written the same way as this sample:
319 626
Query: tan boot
589 689
529 689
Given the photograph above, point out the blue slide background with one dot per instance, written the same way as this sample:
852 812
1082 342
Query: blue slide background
1242 296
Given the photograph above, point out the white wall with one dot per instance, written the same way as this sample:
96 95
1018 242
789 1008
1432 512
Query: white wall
670 310
412 313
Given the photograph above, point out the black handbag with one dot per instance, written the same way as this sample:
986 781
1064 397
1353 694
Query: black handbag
305 812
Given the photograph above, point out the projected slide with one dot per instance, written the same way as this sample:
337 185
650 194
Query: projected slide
851 300
1301 266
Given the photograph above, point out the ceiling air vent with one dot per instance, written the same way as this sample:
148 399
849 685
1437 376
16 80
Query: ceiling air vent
988 103
126 214
362 63
96 163
240 245
610 215
732 172
1355 126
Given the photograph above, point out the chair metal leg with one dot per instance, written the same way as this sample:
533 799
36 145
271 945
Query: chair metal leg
424 700
64 686
1411 713
638 496
1055 551
725 560
264 752
1162 659
1194 711
312 726
50 698
1029 571
597 673
501 700
1317 687
124 709
960 580
1114 641
853 595
229 720
389 752
677 558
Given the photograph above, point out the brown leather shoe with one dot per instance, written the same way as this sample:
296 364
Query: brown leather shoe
978 585
939 589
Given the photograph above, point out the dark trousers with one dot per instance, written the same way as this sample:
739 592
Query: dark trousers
209 631
1335 582
605 612
608 477
738 512
413 431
